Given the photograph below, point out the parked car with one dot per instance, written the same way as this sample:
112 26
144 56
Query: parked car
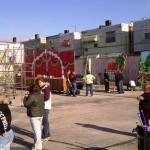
79 81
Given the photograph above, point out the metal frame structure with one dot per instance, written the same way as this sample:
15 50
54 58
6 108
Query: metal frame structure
11 66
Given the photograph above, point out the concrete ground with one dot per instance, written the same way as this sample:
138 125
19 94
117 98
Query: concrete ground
104 121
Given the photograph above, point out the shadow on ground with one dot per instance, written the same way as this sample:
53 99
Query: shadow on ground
19 140
95 148
106 129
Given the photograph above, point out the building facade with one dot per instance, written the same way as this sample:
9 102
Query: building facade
141 33
62 42
34 45
65 42
106 40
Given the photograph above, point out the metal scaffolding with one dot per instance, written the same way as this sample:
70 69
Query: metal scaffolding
11 66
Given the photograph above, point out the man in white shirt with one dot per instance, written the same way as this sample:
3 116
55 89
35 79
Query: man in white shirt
131 85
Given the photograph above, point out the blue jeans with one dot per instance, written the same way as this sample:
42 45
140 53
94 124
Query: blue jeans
121 90
91 89
45 122
68 89
74 88
5 141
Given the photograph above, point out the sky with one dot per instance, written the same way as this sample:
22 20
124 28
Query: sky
24 19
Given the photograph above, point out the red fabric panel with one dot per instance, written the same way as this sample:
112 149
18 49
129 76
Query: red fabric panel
58 63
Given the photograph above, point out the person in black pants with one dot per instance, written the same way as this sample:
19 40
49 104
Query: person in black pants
106 80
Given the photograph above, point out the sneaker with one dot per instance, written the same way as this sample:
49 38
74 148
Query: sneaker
74 96
33 148
46 139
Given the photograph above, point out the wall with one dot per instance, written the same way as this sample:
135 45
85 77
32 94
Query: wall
139 28
121 43
99 64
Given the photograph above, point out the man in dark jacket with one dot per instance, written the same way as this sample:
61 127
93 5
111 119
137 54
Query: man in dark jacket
106 80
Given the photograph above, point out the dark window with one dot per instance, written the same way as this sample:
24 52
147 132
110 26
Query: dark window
37 49
95 45
110 37
147 32
147 36
86 49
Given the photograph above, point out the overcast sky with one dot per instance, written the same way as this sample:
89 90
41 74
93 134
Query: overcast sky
24 19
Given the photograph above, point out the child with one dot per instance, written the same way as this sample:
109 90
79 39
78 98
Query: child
144 102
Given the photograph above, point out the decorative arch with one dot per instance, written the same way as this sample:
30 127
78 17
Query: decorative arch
42 55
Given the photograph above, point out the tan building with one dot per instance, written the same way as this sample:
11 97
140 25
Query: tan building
106 40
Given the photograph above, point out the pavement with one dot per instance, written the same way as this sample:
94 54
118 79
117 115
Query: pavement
102 122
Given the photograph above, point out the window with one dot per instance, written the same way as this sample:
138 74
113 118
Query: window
147 36
90 38
110 37
147 33
95 45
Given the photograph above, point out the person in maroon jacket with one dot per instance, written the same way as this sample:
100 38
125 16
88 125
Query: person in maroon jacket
68 83
46 91
72 79
6 133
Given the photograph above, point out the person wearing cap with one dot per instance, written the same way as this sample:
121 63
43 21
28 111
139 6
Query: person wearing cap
6 133
89 78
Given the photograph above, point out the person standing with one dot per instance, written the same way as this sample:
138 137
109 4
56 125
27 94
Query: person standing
68 83
106 80
144 102
6 133
46 91
34 103
116 72
89 83
120 82
72 79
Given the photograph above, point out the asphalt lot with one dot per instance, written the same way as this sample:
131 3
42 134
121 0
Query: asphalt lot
104 121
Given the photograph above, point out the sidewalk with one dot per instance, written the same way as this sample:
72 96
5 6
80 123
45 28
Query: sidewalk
104 121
